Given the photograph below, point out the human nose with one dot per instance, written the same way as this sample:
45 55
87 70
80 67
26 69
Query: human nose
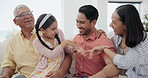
111 25
78 25
56 31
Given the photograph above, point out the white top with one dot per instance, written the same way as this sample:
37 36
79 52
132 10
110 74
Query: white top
135 60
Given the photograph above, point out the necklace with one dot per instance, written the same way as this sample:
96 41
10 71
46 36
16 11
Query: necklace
123 52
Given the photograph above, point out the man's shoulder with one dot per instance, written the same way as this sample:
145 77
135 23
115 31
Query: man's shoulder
77 37
104 40
103 37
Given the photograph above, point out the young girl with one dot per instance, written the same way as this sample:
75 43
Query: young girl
50 45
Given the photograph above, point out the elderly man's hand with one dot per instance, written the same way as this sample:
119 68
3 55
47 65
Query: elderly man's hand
4 76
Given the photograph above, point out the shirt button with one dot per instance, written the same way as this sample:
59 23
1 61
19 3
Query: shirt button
81 67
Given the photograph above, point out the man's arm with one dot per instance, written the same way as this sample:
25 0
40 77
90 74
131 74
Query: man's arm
7 72
109 70
66 64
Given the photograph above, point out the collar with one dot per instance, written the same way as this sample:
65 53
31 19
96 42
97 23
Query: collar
93 36
32 32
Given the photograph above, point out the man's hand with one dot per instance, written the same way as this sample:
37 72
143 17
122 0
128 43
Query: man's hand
7 72
4 76
99 75
97 50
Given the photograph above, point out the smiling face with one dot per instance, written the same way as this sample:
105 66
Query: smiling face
51 31
117 25
24 18
84 25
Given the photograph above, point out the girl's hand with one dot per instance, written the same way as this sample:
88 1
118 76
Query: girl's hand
70 49
67 43
96 50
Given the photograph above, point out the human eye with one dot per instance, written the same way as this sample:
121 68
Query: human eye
23 14
55 28
113 22
76 21
82 22
30 12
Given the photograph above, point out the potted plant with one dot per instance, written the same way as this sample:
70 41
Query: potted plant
145 23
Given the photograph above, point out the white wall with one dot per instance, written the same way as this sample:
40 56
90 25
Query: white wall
144 8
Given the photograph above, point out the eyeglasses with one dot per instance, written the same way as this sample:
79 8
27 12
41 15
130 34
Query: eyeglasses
24 14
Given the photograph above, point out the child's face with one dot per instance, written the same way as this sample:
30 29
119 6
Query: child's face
51 31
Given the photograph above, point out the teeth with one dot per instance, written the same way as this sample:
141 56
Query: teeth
27 21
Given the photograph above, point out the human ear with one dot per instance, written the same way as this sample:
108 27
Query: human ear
42 30
124 26
15 21
93 23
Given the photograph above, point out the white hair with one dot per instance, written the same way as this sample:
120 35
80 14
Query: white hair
19 7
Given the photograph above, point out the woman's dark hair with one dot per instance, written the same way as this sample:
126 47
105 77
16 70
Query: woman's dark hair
47 23
134 28
90 12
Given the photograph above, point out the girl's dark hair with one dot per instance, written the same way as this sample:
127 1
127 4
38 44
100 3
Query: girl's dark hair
134 28
47 23
90 12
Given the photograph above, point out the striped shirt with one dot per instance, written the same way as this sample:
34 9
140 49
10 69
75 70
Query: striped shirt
135 61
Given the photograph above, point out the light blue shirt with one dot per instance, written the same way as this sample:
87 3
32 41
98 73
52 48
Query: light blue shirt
135 61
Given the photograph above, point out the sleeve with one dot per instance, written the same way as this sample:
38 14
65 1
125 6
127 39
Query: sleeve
107 42
47 52
61 35
114 39
8 60
132 58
